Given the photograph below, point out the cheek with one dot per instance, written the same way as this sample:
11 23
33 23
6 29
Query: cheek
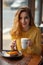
22 21
27 21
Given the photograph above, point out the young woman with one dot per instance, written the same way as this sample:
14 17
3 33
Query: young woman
23 27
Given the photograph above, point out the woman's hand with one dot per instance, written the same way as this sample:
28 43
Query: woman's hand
13 45
29 43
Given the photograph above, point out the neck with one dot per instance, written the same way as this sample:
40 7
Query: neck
26 29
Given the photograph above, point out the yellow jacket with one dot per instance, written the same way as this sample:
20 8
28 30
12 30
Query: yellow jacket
34 34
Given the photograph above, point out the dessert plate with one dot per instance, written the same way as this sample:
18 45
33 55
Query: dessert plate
4 54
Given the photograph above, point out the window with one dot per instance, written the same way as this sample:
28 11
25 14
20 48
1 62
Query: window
9 9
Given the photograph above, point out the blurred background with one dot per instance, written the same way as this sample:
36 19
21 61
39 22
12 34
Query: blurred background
9 9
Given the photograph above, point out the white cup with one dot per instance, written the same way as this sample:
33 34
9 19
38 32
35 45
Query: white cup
24 42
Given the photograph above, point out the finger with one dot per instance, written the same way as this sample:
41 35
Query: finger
14 41
11 46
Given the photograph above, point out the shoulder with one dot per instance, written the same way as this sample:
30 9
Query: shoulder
36 29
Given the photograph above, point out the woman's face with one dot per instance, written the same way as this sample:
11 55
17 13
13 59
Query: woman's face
24 19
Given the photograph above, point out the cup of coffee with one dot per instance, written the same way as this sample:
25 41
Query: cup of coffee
24 42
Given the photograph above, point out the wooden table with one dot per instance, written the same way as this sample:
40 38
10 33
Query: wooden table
42 49
25 60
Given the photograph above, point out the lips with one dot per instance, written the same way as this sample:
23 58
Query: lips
24 24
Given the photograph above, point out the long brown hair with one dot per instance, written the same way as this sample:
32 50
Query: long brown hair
16 29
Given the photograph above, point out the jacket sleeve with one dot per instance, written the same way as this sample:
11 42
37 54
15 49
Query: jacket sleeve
37 43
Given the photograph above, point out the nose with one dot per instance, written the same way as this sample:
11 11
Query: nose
23 20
